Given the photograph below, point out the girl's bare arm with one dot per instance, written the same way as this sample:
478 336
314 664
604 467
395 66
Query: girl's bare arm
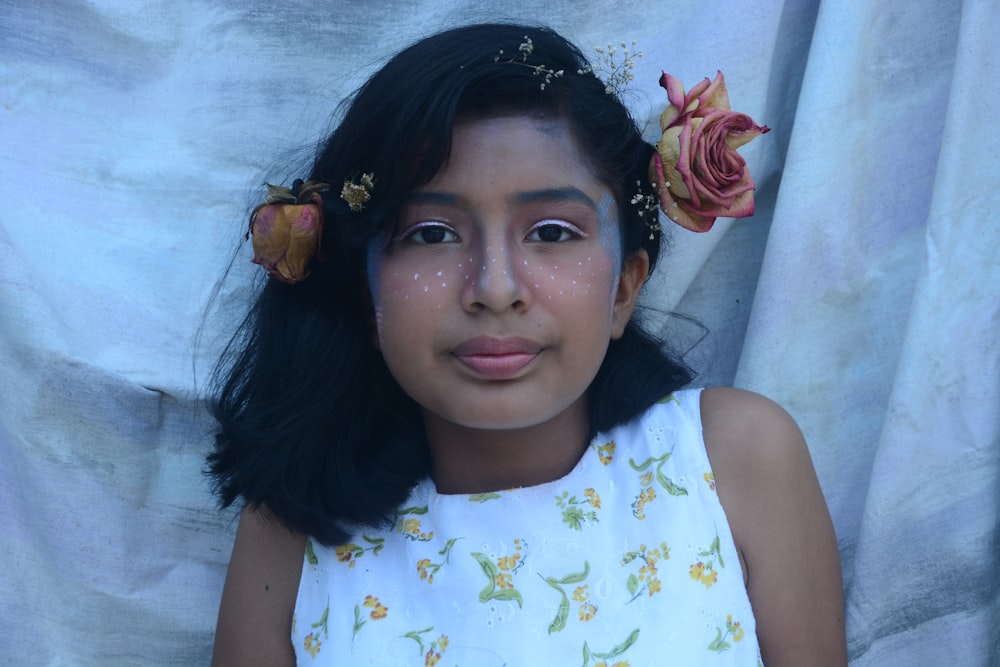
255 616
781 525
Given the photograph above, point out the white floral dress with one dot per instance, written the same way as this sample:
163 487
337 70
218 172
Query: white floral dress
626 561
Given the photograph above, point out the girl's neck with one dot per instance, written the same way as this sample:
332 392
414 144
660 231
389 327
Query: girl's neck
467 460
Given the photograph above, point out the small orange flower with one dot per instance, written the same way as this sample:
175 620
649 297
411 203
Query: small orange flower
710 479
580 594
345 552
422 568
379 612
503 580
507 563
654 587
593 498
606 452
646 478
587 611
312 645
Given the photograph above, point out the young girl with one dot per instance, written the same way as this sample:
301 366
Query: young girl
452 438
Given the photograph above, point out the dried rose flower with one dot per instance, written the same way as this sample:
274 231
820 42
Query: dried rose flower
698 173
286 237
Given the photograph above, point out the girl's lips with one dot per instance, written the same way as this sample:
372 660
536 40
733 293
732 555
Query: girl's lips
496 358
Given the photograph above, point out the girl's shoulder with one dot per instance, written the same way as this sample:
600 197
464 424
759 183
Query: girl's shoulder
781 525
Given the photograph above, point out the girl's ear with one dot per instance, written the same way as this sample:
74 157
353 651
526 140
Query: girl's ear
632 278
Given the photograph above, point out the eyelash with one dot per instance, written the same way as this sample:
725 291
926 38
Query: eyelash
415 234
563 226
415 231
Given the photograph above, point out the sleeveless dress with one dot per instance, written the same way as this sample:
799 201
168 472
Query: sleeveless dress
626 561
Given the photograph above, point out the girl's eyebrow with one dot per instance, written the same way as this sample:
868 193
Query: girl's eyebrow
526 197
554 195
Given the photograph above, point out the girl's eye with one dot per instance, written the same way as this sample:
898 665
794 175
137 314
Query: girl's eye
549 231
430 233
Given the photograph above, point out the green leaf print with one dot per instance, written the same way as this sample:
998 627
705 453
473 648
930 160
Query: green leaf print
490 592
620 648
633 584
613 653
671 487
483 497
559 622
412 510
719 643
668 398
415 636
562 613
311 554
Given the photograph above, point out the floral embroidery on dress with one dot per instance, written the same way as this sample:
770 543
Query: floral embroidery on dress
735 630
709 478
664 481
409 526
580 595
645 579
704 570
312 643
615 651
350 553
606 452
573 513
483 497
500 575
432 654
427 569
377 613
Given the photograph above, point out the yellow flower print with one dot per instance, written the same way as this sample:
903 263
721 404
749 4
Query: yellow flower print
572 513
606 452
710 479
409 526
734 630
379 610
647 477
580 594
427 569
646 496
704 571
646 578
377 613
312 645
500 574
437 649
345 553
351 552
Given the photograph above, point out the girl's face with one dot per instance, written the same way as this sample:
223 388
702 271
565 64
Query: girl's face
501 286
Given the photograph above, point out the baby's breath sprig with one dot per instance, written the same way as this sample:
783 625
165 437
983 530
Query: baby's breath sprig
615 74
525 49
649 209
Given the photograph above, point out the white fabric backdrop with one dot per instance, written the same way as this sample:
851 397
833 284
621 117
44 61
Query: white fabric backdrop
863 296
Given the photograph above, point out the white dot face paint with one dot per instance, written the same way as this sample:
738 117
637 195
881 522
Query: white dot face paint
492 297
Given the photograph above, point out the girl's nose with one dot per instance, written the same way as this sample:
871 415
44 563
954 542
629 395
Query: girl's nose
495 281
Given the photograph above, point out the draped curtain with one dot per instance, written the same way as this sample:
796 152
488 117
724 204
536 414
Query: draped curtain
863 296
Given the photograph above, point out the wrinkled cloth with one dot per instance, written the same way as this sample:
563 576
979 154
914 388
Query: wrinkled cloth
134 139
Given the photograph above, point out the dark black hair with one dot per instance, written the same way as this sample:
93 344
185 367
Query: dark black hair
311 424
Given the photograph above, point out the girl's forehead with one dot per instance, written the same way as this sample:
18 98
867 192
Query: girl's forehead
530 151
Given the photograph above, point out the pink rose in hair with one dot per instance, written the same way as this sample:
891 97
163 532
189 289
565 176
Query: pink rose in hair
286 237
698 173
